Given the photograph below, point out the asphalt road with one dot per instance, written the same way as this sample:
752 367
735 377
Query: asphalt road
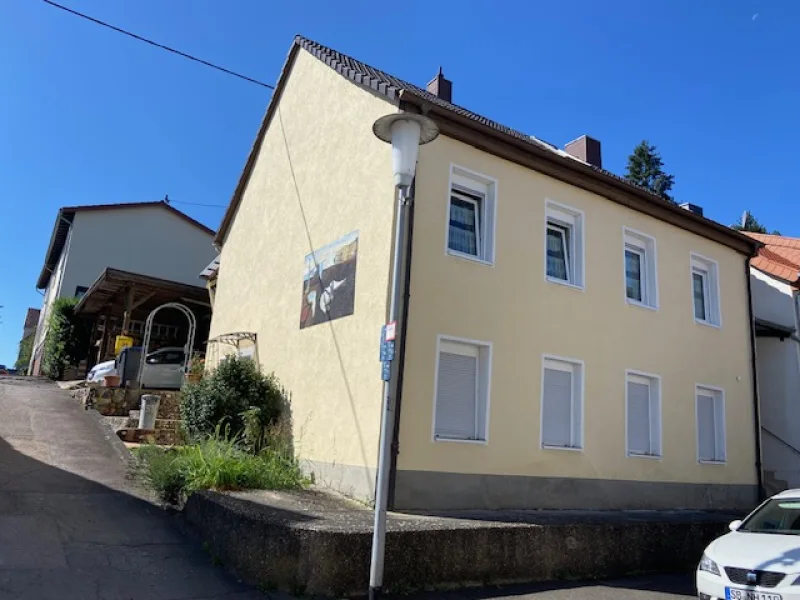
72 526
665 587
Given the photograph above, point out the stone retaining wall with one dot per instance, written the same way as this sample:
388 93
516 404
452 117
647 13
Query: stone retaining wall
301 552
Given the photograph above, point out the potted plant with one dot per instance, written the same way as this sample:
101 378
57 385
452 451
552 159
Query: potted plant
197 367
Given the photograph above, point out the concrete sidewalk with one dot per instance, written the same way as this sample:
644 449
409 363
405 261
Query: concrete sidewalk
72 526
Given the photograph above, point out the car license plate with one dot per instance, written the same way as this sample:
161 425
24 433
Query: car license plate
738 594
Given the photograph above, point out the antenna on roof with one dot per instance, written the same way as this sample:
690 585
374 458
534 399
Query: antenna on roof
745 214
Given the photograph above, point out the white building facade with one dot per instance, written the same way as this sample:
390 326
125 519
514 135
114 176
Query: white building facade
775 290
149 238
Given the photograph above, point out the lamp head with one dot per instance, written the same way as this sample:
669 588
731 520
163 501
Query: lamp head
406 132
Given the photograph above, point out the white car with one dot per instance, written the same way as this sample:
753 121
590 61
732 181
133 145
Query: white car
163 369
759 559
100 370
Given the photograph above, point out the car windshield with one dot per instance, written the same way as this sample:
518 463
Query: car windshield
778 515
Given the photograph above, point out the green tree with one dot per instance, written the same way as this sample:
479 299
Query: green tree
67 338
25 351
750 223
645 168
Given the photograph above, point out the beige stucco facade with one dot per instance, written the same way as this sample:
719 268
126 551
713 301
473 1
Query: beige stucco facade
512 306
331 369
344 176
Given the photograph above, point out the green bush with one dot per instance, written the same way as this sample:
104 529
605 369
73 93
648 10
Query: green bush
24 356
67 338
226 396
217 463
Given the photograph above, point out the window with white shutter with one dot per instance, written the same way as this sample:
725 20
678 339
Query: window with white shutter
462 391
710 425
643 414
562 404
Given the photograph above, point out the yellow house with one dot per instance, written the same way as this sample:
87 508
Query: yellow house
568 339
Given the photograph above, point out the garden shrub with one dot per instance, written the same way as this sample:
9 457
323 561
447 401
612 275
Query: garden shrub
67 338
236 388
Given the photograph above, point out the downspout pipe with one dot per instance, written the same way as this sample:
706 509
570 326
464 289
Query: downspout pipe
756 400
401 354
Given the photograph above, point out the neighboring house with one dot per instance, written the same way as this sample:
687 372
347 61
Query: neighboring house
570 339
26 343
775 281
149 238
31 320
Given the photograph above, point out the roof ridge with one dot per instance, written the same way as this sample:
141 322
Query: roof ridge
319 50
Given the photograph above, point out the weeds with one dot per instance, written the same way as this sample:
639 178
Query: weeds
217 463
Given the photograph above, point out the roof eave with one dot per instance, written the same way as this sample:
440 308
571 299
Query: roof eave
51 256
577 173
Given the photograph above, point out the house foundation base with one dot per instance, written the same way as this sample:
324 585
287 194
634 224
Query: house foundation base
432 490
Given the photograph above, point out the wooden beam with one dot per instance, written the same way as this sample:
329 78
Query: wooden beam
142 300
126 319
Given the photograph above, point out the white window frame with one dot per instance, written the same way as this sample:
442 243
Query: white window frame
563 217
709 269
483 386
577 368
645 246
656 440
465 181
720 426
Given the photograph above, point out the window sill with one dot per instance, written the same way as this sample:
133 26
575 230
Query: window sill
567 448
712 462
640 304
565 283
458 441
469 257
707 324
645 456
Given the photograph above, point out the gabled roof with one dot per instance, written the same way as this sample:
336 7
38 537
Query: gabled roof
490 136
780 257
64 219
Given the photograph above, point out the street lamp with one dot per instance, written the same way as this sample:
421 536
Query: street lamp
406 132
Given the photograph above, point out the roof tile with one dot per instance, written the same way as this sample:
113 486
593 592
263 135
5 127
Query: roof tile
780 257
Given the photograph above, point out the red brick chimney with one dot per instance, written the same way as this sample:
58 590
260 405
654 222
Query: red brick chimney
439 86
586 149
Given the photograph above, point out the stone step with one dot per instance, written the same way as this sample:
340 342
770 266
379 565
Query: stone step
164 424
162 437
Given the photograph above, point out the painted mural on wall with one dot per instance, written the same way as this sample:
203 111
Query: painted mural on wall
329 282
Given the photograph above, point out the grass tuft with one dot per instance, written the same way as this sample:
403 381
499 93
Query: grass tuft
216 463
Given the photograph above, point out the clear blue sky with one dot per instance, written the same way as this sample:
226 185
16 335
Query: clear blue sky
89 116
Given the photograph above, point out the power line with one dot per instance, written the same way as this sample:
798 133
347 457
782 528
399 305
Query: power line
157 45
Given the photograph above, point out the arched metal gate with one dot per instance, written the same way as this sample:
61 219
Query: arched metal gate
189 342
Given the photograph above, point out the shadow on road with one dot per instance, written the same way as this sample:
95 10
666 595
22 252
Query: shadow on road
71 526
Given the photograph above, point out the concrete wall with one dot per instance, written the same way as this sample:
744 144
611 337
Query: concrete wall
779 391
514 307
773 300
778 378
147 240
344 176
307 552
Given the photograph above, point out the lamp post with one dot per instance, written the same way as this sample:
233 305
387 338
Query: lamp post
406 132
